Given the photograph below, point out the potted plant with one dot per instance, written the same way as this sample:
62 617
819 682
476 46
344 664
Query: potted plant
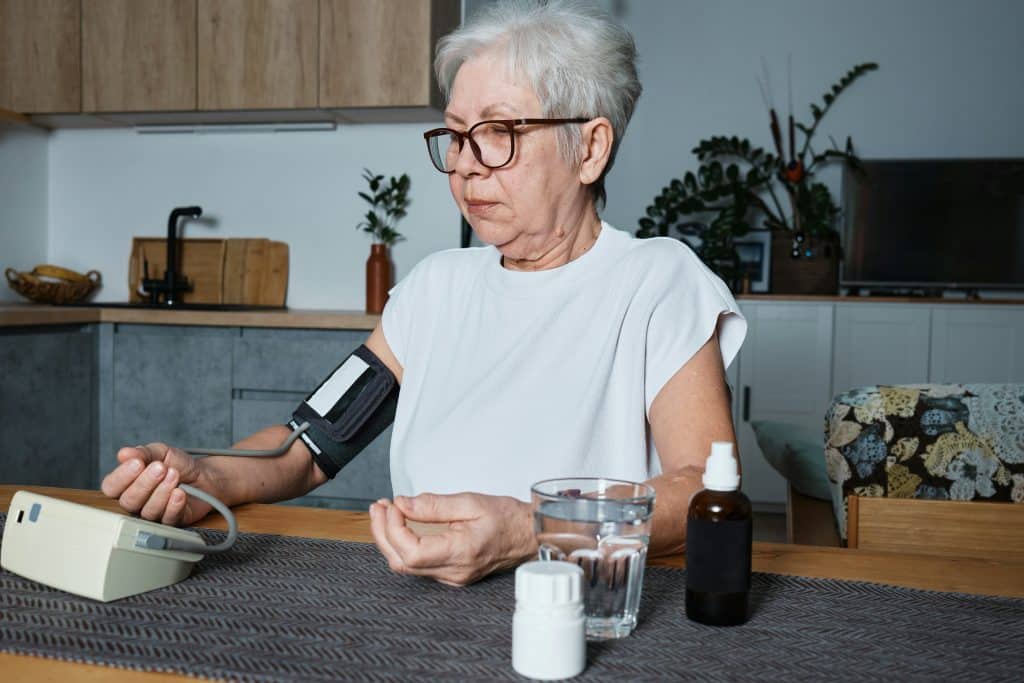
388 203
738 185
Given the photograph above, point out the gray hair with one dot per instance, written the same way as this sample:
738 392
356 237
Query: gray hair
578 61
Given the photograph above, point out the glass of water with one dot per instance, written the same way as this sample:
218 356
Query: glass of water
602 525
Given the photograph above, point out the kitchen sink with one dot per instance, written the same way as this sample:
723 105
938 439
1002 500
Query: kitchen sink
176 307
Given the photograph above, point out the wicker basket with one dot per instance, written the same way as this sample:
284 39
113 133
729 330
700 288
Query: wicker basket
48 284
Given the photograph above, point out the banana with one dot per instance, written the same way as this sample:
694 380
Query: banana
47 270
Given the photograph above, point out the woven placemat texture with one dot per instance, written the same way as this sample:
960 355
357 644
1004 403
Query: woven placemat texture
280 608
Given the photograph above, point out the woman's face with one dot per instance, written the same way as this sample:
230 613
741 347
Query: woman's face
525 207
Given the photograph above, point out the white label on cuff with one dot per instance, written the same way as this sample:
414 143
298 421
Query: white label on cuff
336 386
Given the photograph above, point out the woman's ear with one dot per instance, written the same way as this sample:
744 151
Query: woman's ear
597 137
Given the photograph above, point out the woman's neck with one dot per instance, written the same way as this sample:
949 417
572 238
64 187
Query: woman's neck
568 245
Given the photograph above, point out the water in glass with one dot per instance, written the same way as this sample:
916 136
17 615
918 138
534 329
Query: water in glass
608 540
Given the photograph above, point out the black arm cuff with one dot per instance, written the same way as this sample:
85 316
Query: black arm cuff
357 418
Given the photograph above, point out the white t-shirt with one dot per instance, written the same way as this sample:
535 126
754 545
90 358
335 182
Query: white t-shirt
513 377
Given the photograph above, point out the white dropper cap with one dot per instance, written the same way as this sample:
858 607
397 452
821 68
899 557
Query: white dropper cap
721 473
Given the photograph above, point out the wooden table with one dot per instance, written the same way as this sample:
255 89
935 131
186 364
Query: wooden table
915 571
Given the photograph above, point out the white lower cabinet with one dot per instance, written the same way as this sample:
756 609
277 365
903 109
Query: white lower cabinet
977 344
785 374
880 344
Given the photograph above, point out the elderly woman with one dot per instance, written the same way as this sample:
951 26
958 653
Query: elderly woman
564 348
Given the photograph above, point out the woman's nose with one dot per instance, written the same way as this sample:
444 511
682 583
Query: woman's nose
467 163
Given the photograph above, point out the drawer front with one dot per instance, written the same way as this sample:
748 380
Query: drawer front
290 360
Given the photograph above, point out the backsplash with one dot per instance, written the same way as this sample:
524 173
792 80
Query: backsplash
23 167
107 186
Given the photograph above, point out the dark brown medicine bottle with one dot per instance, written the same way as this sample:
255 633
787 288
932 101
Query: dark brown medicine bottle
718 542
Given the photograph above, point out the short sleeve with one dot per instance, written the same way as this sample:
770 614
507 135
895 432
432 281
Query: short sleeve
689 305
396 321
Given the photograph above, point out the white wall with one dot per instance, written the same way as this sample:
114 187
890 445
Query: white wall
950 84
300 187
23 184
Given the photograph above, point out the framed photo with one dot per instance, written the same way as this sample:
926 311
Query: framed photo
755 252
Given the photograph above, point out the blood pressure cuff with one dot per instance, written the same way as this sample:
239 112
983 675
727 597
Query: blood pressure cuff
348 410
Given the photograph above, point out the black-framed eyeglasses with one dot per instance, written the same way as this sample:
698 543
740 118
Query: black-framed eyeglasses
493 142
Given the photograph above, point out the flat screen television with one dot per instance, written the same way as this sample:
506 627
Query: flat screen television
934 224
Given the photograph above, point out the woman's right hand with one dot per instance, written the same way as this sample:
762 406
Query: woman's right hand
146 483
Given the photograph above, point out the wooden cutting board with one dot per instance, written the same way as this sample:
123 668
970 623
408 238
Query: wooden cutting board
274 287
229 271
255 272
201 260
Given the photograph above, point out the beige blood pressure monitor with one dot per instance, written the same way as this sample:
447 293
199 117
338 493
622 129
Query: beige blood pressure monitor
105 555
94 553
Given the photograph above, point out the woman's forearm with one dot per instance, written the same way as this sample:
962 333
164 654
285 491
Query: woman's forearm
239 479
673 491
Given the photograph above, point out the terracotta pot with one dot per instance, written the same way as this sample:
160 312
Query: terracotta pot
814 271
378 278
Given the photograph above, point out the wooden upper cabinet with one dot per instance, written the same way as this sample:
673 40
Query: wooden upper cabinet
138 55
40 56
257 54
379 53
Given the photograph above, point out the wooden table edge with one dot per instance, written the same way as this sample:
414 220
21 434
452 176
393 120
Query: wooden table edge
912 571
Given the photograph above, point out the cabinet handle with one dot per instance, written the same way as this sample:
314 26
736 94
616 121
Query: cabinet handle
746 404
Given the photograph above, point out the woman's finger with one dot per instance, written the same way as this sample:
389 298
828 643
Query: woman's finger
378 527
144 453
156 504
432 507
123 476
187 466
138 493
175 511
419 555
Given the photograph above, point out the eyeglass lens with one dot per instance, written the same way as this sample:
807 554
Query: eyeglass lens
491 143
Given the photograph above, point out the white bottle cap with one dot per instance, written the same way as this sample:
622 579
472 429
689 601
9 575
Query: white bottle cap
549 629
721 473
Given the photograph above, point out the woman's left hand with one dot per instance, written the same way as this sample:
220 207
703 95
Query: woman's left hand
481 534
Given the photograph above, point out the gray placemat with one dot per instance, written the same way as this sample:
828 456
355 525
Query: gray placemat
281 608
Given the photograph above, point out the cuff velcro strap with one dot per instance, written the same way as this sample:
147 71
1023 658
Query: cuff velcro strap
348 410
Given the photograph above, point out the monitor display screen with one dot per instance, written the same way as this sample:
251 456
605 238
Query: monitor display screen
934 223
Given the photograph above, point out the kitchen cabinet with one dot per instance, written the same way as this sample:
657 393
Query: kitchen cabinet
170 384
785 374
200 61
40 55
975 344
138 55
48 404
379 53
880 344
257 54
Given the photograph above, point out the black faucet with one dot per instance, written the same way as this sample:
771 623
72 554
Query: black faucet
171 284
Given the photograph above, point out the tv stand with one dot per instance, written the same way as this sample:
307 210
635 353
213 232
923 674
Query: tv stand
894 292
953 294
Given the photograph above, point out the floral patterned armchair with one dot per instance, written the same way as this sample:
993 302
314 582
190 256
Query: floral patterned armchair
948 442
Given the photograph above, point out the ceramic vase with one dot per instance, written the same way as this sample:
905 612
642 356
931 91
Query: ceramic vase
378 278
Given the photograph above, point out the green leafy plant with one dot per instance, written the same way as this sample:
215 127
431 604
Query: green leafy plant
388 202
736 185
